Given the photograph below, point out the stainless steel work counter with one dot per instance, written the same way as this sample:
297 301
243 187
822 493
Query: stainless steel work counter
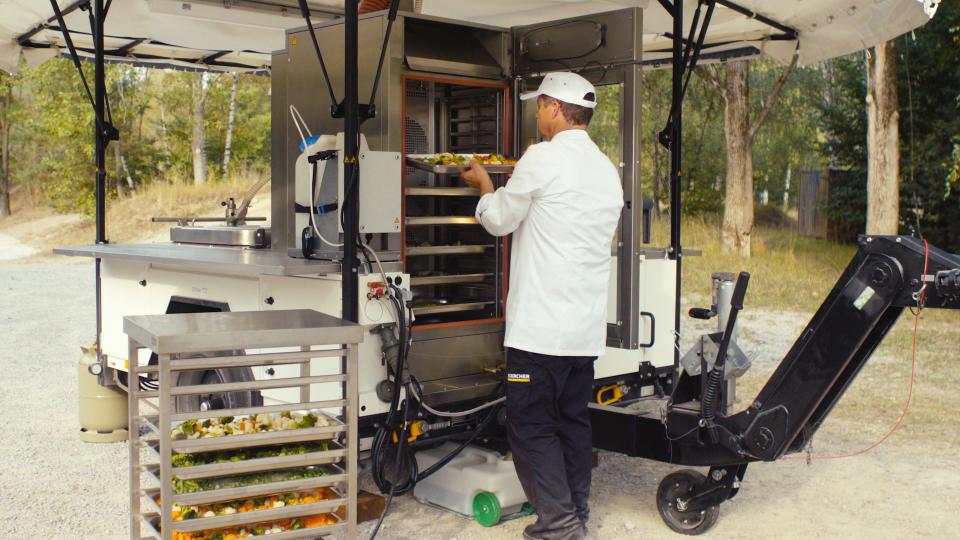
217 259
192 332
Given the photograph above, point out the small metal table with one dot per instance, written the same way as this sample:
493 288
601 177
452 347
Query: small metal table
201 341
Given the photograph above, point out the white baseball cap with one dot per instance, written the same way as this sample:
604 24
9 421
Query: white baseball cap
567 87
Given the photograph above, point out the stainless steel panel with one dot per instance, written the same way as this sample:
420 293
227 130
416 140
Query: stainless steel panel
627 333
445 353
240 235
214 259
436 65
190 332
620 45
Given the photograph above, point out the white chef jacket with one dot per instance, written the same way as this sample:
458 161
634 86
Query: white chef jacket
562 205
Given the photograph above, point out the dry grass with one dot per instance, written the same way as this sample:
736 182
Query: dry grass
128 218
787 270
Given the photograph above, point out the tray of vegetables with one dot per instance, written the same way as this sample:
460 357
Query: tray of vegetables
213 434
449 163
183 485
240 460
253 504
283 529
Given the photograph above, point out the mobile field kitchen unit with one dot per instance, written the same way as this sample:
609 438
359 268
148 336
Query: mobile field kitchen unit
360 228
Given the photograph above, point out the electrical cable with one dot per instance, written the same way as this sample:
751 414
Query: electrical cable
297 121
396 469
368 249
913 374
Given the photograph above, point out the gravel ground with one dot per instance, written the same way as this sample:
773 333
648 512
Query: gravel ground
54 486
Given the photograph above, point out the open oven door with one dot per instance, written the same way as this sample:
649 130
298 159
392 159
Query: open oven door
605 49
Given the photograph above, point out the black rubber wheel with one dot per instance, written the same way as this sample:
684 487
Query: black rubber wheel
671 497
219 400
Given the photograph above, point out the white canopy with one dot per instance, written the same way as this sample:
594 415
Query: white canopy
241 34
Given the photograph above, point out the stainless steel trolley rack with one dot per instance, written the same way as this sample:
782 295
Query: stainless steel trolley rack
184 342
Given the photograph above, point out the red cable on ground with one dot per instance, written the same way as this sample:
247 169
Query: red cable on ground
913 372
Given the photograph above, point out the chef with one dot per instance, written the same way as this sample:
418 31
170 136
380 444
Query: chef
562 204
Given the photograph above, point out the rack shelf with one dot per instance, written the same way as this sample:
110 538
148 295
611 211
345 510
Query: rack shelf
449 280
425 251
443 192
441 220
451 308
333 469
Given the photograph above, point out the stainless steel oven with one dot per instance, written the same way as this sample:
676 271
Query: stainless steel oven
452 86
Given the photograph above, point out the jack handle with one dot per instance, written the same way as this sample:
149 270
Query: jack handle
715 380
736 304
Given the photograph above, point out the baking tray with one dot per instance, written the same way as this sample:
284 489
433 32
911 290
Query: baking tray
263 438
334 454
153 522
441 220
416 281
443 191
451 308
414 160
424 251
335 475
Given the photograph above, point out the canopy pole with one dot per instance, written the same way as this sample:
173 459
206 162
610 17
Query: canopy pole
676 134
351 165
102 138
100 91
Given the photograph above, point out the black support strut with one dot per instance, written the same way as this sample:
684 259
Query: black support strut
351 164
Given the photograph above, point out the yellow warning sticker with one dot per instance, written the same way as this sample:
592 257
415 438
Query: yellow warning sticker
293 41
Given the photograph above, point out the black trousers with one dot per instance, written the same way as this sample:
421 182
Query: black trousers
548 428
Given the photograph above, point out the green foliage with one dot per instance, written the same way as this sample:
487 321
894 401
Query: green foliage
929 126
929 93
53 123
845 121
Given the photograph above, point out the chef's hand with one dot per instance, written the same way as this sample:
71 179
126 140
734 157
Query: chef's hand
477 177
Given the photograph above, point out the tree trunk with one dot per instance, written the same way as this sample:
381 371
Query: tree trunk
199 138
883 136
126 172
656 176
738 203
116 168
231 119
5 153
786 190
